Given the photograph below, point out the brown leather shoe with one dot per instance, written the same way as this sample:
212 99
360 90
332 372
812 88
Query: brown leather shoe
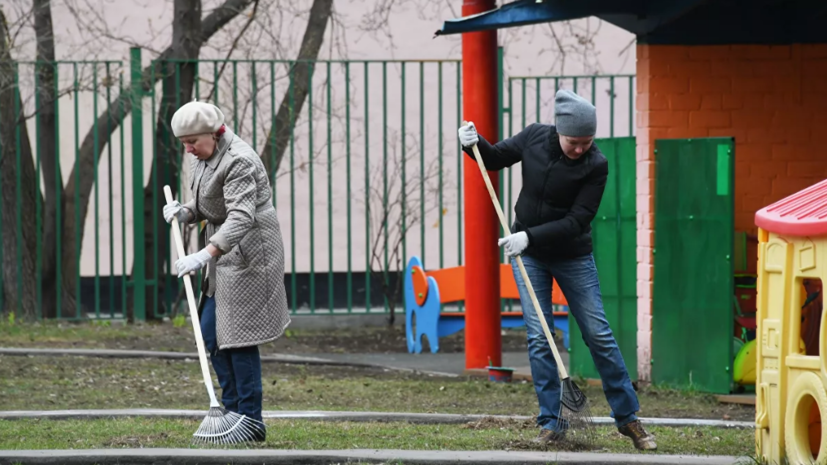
641 439
546 436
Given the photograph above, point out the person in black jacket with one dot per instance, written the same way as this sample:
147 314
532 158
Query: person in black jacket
564 175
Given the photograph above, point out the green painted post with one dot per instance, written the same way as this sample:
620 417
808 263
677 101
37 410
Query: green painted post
138 277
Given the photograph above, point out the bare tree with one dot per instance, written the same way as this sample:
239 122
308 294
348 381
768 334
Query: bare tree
300 75
177 85
394 210
21 285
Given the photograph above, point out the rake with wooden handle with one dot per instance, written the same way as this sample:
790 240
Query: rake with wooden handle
571 396
220 426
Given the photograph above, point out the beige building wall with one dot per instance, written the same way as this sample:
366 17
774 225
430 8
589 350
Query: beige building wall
529 51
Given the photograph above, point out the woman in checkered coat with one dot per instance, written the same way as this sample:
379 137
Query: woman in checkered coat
244 302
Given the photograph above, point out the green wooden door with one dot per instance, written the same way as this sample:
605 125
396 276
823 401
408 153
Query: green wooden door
615 242
693 268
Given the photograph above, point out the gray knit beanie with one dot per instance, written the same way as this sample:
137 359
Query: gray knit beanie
575 116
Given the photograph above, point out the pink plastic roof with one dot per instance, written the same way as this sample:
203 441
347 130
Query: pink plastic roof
801 214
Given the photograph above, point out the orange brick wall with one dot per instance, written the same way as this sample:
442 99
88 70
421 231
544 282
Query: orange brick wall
772 99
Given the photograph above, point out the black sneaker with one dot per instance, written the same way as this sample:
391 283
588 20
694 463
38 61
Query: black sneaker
260 434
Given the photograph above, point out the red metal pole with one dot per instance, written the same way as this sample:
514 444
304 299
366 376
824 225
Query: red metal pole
482 277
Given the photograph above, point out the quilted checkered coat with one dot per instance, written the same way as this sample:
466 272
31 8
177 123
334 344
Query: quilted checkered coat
231 192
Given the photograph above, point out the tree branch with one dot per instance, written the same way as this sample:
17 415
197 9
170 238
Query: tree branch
293 100
232 48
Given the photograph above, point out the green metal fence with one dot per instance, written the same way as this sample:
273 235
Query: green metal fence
367 175
370 174
50 116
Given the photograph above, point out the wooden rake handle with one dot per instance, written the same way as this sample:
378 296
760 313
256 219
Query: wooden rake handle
561 369
196 325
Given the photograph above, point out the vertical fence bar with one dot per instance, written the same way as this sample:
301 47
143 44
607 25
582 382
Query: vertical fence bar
254 83
311 162
109 184
500 79
121 131
168 301
422 161
59 203
78 238
18 109
139 276
594 90
235 96
501 173
291 99
367 194
215 81
329 197
96 138
510 133
347 163
385 212
537 100
439 154
612 106
37 197
273 130
404 175
460 156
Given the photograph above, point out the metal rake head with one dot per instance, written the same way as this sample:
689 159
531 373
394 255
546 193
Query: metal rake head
576 417
572 397
221 426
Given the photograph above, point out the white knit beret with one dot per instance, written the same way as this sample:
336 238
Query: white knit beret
196 118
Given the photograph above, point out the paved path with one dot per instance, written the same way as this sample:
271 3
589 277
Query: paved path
439 364
327 457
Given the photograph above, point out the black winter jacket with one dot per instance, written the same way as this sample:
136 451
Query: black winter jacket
559 197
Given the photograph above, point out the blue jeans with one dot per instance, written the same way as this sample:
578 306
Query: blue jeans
577 278
238 370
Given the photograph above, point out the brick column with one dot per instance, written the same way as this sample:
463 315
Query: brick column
772 99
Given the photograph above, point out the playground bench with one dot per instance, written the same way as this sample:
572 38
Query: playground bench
425 291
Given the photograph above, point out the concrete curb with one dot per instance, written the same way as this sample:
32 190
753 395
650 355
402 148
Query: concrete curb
321 415
290 359
326 457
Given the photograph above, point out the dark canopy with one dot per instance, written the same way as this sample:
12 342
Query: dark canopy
670 21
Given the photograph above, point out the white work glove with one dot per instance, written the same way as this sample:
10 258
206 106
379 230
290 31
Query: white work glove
514 244
175 209
192 262
468 134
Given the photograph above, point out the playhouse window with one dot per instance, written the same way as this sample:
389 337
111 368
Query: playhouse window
809 299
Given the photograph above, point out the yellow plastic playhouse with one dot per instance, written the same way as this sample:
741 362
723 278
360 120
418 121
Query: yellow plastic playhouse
791 384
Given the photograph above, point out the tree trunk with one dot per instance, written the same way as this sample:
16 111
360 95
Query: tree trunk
47 144
293 100
19 250
186 45
109 121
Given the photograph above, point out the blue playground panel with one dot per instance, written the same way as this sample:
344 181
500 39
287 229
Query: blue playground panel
432 323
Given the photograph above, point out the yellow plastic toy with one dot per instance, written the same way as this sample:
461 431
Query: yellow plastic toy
744 365
791 386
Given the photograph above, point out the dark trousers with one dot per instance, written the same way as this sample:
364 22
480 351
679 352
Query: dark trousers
238 370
